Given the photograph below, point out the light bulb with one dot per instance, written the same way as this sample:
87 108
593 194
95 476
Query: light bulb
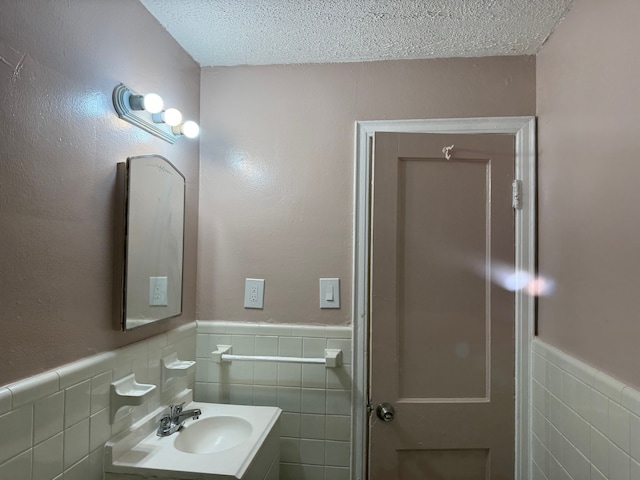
172 117
150 102
153 103
190 129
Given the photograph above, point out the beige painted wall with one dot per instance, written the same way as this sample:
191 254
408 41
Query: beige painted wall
60 142
277 156
588 104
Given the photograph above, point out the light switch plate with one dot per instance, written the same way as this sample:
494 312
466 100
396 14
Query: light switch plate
254 293
329 293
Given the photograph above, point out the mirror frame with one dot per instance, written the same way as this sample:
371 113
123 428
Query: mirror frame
123 247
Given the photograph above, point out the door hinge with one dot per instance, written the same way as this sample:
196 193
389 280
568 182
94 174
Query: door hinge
517 194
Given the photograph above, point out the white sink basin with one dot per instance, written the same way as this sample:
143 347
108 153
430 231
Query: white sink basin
213 434
226 442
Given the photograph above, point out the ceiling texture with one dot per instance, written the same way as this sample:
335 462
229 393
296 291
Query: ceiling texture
263 32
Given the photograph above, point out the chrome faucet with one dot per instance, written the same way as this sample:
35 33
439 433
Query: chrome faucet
172 422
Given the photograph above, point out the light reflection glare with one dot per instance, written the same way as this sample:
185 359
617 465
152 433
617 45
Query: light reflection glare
518 280
252 171
536 286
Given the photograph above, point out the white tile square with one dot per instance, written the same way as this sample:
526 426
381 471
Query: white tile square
79 471
634 437
96 467
634 470
576 464
265 395
540 455
202 345
554 379
338 403
576 394
577 430
619 425
314 400
313 376
338 427
336 473
312 472
265 373
266 345
243 344
599 455
241 394
18 468
313 347
339 378
48 417
556 411
290 424
599 411
312 426
33 388
289 399
619 464
597 474
290 471
289 375
76 443
539 368
290 346
311 451
243 328
239 372
100 388
337 454
15 428
77 403
99 429
290 450
47 458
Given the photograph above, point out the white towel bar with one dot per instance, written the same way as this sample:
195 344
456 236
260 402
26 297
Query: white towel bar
332 357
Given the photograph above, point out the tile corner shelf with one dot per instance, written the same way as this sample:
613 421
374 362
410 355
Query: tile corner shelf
128 392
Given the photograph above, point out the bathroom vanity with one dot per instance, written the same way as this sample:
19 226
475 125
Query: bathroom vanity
226 442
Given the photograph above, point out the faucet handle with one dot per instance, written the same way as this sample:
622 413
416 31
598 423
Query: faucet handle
176 409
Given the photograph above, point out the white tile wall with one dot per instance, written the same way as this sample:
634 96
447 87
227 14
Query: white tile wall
316 401
586 424
54 425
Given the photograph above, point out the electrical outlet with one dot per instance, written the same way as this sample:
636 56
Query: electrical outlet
158 291
254 293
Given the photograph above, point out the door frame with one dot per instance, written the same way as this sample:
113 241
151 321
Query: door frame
524 129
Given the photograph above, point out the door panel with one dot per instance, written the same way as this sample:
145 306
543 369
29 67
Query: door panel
442 348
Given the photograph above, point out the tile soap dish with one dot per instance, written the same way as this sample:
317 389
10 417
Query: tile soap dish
128 392
172 367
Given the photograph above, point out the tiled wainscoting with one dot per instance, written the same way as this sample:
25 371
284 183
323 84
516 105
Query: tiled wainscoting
316 401
586 424
54 425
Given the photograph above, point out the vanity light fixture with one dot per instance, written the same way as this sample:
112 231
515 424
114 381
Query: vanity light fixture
147 112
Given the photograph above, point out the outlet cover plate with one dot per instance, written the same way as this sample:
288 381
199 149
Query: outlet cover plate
158 291
254 293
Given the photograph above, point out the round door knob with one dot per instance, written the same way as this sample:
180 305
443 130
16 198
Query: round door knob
385 412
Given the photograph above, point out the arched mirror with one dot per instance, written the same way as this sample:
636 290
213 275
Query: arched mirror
151 273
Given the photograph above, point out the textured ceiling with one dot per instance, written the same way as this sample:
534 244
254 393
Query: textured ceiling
258 32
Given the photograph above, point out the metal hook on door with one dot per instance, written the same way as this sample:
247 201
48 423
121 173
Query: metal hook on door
447 152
